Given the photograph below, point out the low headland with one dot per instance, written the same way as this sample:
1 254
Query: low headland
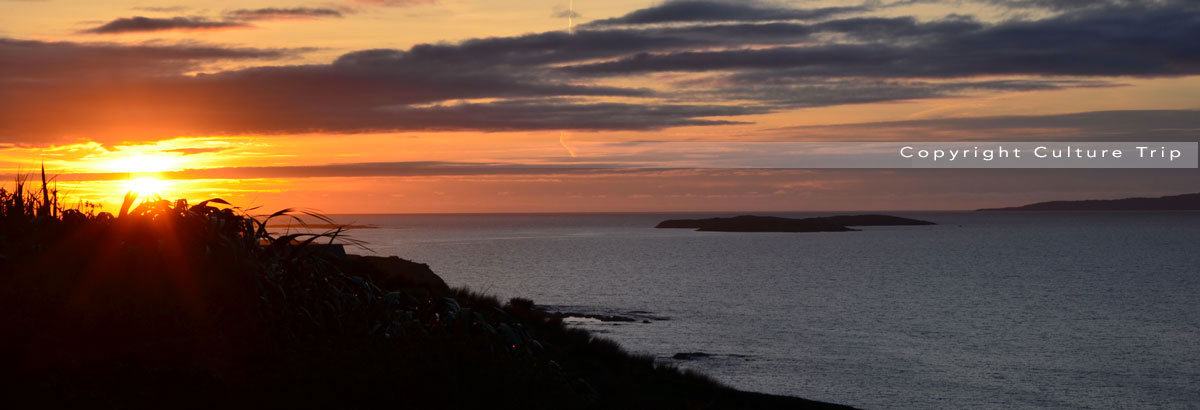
1185 202
178 305
754 223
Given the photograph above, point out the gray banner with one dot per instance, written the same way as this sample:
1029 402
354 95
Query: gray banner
895 154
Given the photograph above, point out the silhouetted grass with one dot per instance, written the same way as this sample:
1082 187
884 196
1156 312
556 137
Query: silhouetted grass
177 305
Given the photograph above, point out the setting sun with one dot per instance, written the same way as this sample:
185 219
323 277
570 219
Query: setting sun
142 171
147 186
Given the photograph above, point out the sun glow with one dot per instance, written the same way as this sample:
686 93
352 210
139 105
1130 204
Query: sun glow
148 186
143 171
144 163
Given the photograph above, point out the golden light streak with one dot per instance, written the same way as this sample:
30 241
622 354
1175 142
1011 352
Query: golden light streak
143 163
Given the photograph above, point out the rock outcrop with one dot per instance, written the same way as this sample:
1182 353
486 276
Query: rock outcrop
395 273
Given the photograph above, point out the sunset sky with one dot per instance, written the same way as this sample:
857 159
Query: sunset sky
382 106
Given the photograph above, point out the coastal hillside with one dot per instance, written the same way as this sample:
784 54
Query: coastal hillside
177 305
1185 202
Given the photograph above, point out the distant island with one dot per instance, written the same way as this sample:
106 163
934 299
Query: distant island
754 223
1185 202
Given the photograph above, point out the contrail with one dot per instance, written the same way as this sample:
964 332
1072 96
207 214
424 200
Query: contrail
562 137
562 140
571 19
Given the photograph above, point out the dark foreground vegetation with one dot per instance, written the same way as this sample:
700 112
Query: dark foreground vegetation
754 223
175 305
1185 202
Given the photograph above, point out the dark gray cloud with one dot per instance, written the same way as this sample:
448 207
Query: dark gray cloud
27 61
758 59
1023 5
273 13
565 14
547 115
233 19
898 29
238 104
534 50
1064 5
557 47
139 24
366 91
1114 41
697 11
786 93
1129 125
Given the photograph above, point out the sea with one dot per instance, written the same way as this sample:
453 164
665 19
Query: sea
983 310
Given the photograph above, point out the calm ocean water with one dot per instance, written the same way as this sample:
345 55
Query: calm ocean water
985 310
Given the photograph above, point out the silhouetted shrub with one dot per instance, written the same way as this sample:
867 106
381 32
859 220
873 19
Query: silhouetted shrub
174 305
